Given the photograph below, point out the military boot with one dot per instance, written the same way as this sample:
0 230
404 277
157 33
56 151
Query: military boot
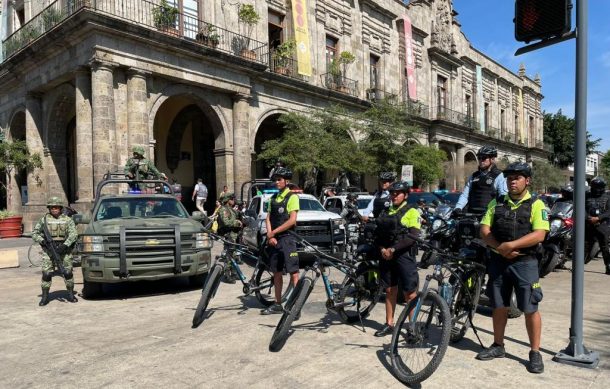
44 300
71 297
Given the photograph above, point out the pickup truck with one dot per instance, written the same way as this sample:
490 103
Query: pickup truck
134 235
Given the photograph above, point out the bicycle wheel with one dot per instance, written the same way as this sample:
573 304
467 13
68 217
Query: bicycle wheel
264 280
35 255
209 290
291 311
358 296
419 343
464 305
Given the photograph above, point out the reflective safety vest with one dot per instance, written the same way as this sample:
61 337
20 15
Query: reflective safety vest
482 189
389 228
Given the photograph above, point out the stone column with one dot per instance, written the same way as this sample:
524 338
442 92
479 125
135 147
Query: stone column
137 112
84 136
241 140
37 180
103 119
459 167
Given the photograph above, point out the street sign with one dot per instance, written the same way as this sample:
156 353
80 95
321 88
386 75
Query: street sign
407 174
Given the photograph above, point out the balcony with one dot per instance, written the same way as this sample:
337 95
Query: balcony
451 116
377 94
340 84
417 108
142 13
284 66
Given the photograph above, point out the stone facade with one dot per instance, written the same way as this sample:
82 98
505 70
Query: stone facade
102 77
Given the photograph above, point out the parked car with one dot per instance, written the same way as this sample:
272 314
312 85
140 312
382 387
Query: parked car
337 203
429 197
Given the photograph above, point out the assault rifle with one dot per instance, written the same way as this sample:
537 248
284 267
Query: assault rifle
49 244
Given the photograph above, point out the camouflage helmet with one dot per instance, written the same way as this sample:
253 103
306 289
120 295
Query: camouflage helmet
138 150
225 197
54 201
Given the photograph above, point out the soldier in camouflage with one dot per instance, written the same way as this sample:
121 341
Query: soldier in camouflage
140 167
63 232
229 223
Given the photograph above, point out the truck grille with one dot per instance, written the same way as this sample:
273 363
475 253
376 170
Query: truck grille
142 243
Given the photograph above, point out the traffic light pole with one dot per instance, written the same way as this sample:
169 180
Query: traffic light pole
575 353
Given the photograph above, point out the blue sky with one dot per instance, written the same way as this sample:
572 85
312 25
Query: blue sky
488 24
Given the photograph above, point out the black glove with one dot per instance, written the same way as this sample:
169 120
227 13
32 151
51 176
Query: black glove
62 249
457 212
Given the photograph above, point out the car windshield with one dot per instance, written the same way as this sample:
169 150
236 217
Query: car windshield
139 207
427 196
363 203
304 205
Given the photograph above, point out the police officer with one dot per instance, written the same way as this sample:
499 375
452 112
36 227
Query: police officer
350 211
512 227
140 167
597 209
381 199
396 251
63 232
483 185
282 217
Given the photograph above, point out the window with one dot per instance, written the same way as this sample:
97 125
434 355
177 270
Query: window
375 72
486 118
441 93
502 121
516 123
468 101
276 29
331 50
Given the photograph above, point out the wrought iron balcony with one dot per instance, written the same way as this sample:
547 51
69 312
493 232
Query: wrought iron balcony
143 13
417 108
377 94
451 116
340 84
285 66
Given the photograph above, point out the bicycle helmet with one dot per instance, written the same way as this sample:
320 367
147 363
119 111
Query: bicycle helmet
598 186
387 176
352 196
487 151
282 172
400 186
521 168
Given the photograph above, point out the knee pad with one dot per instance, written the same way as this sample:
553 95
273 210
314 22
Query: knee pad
47 276
68 275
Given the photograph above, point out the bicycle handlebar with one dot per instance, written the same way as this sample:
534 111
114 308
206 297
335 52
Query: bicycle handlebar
329 258
447 254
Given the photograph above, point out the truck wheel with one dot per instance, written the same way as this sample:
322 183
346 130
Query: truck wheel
91 290
197 281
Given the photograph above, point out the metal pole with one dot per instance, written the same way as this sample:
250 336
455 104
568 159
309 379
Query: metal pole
575 353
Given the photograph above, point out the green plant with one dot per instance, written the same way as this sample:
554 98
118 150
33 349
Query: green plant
51 17
284 52
4 214
247 16
208 34
165 15
14 157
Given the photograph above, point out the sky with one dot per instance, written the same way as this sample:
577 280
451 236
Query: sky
488 25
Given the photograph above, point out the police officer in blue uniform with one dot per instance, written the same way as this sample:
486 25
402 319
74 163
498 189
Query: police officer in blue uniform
381 200
597 227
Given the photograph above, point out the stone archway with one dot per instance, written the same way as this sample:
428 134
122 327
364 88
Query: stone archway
450 167
268 129
471 164
19 179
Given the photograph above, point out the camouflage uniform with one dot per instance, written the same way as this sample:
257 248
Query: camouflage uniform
145 168
228 218
63 230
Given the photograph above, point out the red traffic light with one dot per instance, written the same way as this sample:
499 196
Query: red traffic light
541 19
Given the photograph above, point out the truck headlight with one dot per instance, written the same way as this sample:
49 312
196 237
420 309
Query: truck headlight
93 244
202 240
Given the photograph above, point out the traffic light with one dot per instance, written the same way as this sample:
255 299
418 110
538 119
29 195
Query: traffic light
541 19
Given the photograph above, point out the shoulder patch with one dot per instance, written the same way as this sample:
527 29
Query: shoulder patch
545 215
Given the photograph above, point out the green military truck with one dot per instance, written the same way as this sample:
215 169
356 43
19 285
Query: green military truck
138 230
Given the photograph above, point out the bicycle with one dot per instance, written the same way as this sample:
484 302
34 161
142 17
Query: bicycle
35 253
353 301
429 321
260 283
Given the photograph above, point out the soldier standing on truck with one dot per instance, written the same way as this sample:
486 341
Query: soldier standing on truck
139 167
62 231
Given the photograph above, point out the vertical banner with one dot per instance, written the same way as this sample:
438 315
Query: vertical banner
406 174
480 102
521 117
301 35
410 59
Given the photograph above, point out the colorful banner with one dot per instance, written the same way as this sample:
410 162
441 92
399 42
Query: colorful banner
480 101
301 34
410 59
521 117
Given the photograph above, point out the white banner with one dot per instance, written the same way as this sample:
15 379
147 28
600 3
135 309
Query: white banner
407 174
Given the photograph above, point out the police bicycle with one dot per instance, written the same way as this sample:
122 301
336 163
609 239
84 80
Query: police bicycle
260 283
352 301
436 316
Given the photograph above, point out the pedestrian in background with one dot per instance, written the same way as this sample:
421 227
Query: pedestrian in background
201 193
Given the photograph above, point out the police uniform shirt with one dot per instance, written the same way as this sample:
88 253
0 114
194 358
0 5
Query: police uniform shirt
293 201
410 219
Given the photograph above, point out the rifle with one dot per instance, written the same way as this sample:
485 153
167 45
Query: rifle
49 244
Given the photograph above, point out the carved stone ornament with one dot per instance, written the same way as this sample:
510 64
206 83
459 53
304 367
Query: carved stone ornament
442 36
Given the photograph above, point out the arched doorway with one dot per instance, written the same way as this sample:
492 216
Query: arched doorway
449 181
19 179
270 128
61 142
471 164
185 144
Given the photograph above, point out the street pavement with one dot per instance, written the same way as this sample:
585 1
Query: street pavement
140 335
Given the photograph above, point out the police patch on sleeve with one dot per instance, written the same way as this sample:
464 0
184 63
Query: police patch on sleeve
545 215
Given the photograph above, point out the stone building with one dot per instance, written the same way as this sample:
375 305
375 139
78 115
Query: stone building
82 81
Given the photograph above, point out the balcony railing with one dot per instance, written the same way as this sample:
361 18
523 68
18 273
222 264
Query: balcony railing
144 13
417 108
377 94
285 66
446 114
340 84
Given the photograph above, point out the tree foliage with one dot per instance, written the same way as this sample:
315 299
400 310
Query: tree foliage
15 157
604 166
560 131
546 177
427 163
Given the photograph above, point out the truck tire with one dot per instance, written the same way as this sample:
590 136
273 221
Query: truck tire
91 290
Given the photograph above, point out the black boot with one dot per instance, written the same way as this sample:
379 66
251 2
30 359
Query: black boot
71 297
44 300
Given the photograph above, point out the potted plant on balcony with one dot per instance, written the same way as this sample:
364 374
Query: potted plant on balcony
51 17
338 69
14 157
165 17
248 17
282 54
208 35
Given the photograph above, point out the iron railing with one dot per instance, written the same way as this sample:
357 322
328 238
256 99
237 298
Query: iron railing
455 117
144 13
286 66
417 108
340 83
377 94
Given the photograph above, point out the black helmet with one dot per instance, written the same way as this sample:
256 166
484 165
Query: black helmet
352 196
521 168
387 176
487 151
598 186
283 172
567 192
400 186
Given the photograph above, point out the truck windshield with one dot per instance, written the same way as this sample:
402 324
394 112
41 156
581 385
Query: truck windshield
140 207
304 205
